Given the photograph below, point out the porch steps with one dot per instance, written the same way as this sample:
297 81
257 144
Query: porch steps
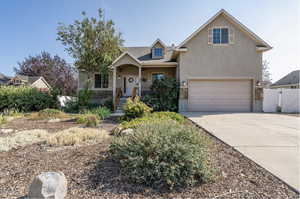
120 105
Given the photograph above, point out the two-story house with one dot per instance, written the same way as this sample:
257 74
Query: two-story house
218 67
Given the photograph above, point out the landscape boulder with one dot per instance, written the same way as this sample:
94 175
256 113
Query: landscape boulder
48 185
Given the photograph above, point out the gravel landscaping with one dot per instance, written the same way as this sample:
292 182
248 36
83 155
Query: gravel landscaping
91 173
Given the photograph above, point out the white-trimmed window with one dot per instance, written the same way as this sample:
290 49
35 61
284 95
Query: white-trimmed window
101 81
157 76
158 52
220 35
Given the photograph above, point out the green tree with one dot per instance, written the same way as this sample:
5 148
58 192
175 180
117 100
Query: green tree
267 77
93 42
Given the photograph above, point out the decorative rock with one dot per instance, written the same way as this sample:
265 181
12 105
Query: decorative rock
48 185
127 131
54 120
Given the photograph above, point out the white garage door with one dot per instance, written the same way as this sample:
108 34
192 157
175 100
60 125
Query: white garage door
219 95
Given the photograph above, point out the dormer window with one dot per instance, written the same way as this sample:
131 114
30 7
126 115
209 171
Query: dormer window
158 49
158 52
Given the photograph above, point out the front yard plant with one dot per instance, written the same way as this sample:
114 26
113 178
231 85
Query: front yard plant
22 138
152 117
164 95
2 119
163 154
46 114
75 136
26 99
134 108
101 112
89 120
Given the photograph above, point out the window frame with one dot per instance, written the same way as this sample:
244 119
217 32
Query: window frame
228 35
154 73
101 82
157 56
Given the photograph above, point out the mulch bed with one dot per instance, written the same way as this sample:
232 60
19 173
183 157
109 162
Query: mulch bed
92 174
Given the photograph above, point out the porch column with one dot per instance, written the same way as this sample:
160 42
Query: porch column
140 81
114 84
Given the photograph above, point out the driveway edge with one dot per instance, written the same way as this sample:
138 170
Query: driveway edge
211 134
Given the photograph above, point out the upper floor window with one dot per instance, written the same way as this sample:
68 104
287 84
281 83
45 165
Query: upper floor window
158 52
101 81
220 36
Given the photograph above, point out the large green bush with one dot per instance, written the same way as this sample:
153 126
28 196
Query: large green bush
134 108
84 97
26 99
164 95
163 153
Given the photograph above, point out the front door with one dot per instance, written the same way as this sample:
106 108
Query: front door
130 82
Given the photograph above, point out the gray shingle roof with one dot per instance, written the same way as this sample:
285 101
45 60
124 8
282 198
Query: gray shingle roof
3 79
291 78
144 53
28 79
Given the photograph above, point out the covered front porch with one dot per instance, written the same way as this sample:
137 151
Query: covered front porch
131 77
131 80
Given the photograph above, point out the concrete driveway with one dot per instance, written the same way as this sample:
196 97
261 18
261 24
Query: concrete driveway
271 140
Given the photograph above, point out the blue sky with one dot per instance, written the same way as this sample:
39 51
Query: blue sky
29 26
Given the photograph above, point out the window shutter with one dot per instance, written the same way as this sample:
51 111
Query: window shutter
231 36
210 35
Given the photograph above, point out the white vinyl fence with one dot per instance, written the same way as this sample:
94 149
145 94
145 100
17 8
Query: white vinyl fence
285 99
64 99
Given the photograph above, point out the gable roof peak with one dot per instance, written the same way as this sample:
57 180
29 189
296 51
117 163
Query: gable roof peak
234 21
124 54
158 41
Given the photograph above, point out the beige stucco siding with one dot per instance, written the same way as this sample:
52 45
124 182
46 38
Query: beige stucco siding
203 60
233 60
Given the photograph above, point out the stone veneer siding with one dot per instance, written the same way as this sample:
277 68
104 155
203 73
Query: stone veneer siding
99 97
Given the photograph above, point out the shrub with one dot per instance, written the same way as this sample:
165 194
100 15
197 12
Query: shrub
169 115
22 138
74 136
12 112
25 99
164 95
71 106
84 97
134 108
2 119
156 116
163 153
47 114
101 112
90 120
109 104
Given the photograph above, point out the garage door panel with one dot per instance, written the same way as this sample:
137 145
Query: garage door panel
206 95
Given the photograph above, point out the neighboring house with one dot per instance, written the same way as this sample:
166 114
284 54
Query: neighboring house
33 81
4 79
219 68
291 80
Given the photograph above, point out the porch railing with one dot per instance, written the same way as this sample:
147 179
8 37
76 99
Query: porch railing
117 99
134 92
